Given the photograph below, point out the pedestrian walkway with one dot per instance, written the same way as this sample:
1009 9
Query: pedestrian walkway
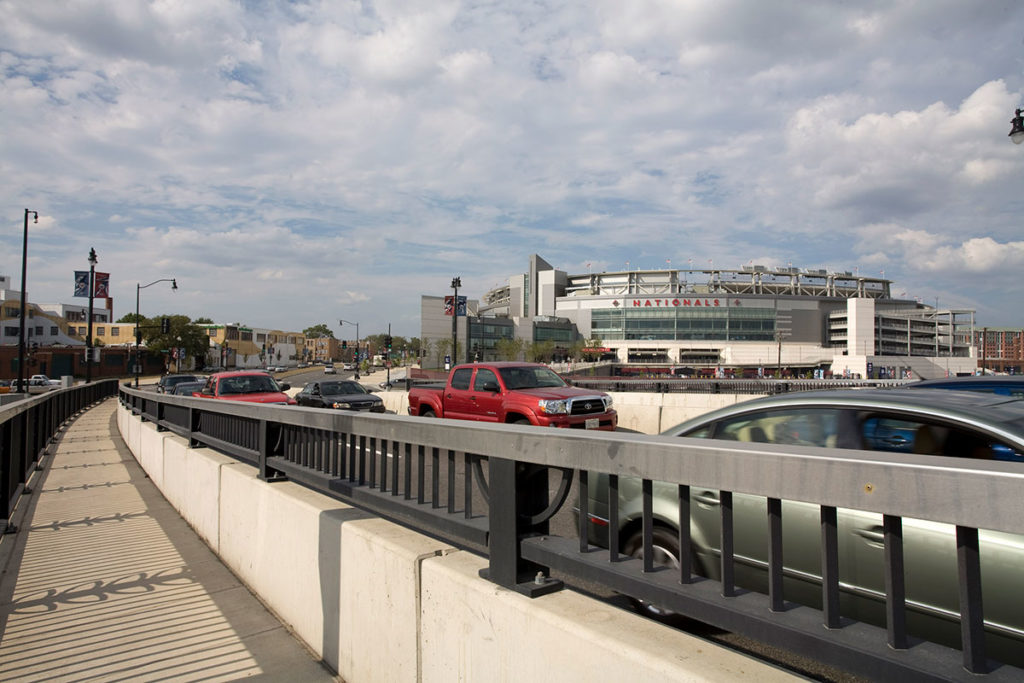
105 582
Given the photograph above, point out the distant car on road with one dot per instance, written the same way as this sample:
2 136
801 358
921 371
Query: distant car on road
348 366
252 386
168 382
898 422
339 395
329 369
45 379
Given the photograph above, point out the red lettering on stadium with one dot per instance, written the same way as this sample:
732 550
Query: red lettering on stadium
676 303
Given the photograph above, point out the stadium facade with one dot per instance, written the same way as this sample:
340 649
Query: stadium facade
752 320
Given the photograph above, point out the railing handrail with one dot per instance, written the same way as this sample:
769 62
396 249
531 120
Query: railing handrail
357 457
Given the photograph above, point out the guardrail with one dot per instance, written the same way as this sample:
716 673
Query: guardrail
726 386
28 426
486 488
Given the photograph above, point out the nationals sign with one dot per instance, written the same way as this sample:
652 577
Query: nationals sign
688 302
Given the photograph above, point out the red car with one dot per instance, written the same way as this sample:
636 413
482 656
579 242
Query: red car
246 385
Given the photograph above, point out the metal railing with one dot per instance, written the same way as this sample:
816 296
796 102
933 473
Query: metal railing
726 386
28 426
486 487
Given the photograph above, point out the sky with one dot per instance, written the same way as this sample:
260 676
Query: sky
298 163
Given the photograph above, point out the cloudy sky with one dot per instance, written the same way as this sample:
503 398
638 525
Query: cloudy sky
293 163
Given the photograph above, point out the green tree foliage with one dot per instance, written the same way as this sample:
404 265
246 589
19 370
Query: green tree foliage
593 343
510 349
541 352
317 331
183 334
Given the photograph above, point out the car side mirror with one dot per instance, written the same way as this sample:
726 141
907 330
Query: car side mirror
491 386
286 386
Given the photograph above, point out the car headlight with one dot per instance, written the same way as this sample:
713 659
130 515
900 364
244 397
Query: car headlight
553 406
341 405
607 402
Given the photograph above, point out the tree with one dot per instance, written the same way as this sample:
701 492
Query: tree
509 349
183 334
203 321
131 317
441 347
541 352
593 343
317 331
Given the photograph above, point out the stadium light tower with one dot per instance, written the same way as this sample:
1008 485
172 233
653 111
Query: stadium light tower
1017 131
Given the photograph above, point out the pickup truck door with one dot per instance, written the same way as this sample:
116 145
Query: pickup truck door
487 396
457 402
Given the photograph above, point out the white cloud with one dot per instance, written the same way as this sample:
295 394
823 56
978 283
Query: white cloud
266 154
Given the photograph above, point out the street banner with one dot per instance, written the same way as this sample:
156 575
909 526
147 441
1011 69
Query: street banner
461 310
81 283
101 286
449 305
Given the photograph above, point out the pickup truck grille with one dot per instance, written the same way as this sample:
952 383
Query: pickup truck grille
586 405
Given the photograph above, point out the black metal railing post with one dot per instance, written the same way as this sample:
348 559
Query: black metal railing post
516 489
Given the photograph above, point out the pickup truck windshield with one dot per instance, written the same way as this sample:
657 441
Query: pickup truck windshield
530 378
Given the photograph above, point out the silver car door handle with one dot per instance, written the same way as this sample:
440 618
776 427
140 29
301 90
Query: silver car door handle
708 498
873 535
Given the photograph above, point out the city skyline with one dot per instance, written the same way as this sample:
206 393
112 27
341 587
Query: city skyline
292 164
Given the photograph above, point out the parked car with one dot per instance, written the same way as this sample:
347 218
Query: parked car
329 369
1004 385
43 379
187 388
895 421
168 382
33 385
349 366
340 395
253 386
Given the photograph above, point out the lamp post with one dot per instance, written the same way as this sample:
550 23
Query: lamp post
1017 131
138 328
456 283
21 327
88 336
342 322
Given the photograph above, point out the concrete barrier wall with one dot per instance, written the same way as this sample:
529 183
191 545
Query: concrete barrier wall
379 602
646 413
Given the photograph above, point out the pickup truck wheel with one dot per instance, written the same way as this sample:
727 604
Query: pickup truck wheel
427 413
521 421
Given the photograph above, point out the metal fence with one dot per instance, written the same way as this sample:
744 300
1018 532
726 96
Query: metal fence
28 426
494 488
725 386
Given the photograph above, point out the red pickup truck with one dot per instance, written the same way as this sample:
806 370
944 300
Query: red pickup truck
521 393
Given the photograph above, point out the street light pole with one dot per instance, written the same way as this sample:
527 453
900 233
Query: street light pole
21 328
138 328
342 322
88 336
456 283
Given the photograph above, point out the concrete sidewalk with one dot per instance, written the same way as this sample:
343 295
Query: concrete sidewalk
105 582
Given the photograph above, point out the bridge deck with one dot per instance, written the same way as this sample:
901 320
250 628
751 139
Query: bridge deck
105 581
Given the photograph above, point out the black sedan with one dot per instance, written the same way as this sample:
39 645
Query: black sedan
340 395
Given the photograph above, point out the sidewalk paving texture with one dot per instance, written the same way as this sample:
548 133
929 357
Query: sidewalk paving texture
105 582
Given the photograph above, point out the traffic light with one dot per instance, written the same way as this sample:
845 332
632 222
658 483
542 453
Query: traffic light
387 341
165 325
344 344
